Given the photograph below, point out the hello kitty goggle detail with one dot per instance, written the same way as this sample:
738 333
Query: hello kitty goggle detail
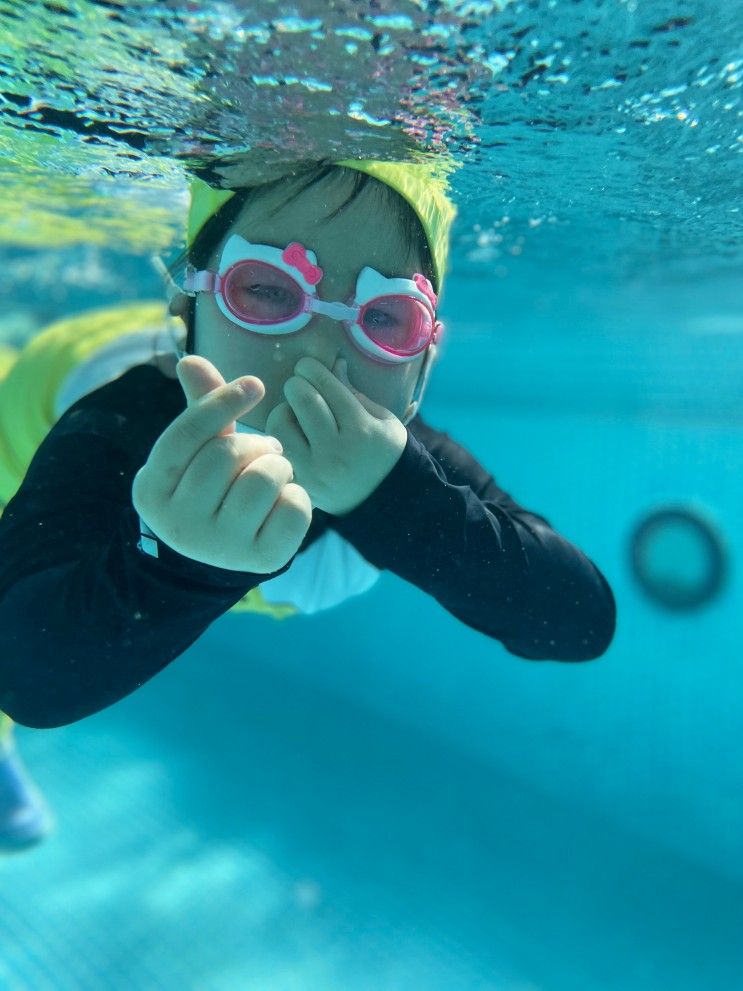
271 290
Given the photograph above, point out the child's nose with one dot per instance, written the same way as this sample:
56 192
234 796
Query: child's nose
326 340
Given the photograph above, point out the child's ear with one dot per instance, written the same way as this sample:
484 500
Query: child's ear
178 304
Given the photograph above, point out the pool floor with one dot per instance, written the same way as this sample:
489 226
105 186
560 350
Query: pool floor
277 838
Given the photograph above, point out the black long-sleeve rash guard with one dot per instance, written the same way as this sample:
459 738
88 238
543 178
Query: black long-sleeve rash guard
86 617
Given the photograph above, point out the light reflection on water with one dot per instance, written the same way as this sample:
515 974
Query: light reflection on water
605 132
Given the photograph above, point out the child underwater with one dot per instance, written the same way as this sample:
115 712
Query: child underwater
317 292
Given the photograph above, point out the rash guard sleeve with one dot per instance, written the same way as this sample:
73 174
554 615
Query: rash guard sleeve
85 617
440 521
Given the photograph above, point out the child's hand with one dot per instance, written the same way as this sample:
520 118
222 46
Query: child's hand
214 495
341 444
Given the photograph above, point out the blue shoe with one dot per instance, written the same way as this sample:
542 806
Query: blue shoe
25 818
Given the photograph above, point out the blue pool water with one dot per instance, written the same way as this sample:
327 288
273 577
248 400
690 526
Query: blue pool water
277 833
330 813
379 798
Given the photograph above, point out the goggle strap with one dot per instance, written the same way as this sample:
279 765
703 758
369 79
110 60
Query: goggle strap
171 286
339 311
202 281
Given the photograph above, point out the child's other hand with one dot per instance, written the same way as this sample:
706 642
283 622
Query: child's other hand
340 443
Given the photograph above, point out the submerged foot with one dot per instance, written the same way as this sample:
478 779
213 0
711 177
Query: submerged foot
25 818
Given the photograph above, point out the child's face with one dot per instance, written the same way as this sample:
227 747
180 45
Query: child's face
362 234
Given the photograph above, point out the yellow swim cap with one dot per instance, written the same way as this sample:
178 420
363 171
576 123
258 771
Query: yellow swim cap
423 186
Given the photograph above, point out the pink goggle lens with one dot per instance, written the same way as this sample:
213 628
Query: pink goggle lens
397 323
259 293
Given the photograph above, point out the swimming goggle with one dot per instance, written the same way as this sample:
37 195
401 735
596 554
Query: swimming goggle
271 290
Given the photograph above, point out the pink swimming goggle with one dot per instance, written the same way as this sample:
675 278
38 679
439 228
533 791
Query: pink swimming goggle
273 291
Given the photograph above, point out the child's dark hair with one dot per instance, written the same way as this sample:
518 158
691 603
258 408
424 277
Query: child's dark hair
208 237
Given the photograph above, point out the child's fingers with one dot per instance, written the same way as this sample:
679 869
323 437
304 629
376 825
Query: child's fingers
211 416
197 376
341 370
